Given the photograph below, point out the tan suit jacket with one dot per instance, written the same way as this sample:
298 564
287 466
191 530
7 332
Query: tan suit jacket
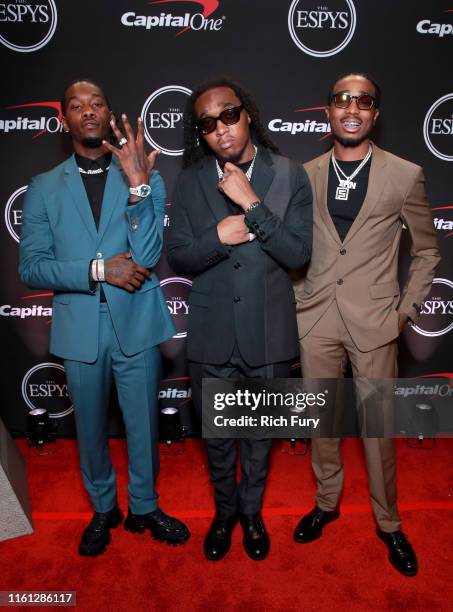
361 273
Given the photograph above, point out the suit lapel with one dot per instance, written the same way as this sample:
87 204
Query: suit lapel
77 190
263 173
376 184
114 190
207 175
321 195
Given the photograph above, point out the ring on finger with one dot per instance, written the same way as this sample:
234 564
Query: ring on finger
122 141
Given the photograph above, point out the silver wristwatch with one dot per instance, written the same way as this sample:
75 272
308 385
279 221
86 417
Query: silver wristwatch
142 190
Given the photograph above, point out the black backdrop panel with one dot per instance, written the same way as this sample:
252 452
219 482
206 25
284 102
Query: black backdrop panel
148 56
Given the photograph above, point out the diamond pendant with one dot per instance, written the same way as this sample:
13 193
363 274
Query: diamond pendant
342 193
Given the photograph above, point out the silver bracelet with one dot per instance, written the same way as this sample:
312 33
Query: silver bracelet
101 273
252 206
94 276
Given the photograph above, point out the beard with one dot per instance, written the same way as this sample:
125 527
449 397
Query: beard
92 142
351 141
347 141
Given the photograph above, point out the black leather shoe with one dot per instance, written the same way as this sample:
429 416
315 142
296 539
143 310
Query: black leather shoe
401 553
96 536
162 526
218 539
311 525
256 539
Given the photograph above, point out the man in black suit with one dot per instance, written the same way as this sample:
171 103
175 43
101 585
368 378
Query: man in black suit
241 217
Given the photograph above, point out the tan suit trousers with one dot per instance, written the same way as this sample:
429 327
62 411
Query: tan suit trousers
324 353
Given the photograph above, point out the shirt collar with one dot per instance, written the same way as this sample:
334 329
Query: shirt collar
85 163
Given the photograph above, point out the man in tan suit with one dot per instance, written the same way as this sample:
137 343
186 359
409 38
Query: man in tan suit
349 304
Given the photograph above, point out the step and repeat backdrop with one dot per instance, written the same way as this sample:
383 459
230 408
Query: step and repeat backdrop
148 55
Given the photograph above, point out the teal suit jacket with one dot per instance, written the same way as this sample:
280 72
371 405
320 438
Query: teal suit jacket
59 238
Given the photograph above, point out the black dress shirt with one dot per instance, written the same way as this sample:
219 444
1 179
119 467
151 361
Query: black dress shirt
94 186
94 183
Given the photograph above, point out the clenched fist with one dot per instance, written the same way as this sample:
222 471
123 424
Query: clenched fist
121 271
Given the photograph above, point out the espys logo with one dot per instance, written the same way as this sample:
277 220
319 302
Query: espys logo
438 128
44 386
321 30
176 291
187 21
27 25
428 27
36 121
307 126
13 212
443 220
437 310
162 116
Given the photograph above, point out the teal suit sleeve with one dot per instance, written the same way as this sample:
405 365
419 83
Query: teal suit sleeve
146 224
38 266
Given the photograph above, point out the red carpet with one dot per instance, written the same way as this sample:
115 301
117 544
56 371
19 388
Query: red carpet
347 568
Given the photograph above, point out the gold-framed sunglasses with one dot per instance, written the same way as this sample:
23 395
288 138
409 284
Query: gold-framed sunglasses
344 100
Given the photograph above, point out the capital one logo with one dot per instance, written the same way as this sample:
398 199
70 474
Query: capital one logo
36 121
162 115
27 25
438 128
321 29
199 21
311 124
443 220
13 213
176 292
44 386
437 310
432 28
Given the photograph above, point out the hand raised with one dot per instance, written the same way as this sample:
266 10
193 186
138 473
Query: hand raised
121 271
137 166
236 186
233 230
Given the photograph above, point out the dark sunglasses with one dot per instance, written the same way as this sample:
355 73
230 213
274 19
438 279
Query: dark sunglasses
344 100
229 116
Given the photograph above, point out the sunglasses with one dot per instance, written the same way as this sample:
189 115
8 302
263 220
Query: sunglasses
229 116
344 100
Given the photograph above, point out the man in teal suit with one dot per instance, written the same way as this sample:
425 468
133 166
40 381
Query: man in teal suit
92 231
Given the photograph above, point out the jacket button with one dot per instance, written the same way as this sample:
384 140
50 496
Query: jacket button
236 299
343 252
99 255
340 281
237 265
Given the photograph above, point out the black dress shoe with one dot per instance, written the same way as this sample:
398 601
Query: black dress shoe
311 525
96 536
162 526
218 539
401 553
256 539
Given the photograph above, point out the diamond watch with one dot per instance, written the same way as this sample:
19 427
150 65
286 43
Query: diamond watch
142 190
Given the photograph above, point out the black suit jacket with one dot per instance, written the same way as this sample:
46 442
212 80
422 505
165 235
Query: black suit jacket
242 293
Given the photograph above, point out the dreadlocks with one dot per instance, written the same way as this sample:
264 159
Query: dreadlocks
194 146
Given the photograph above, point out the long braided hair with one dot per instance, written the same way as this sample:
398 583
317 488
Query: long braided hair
194 145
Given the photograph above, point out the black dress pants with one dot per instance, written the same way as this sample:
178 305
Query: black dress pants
230 496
